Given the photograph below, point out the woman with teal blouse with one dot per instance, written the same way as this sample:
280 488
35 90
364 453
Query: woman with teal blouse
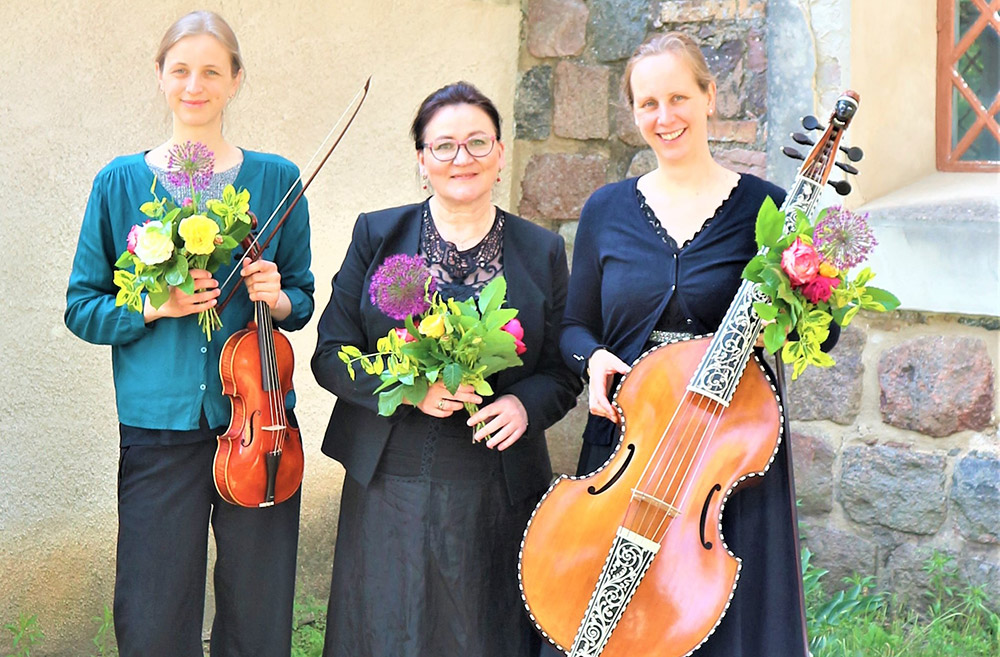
168 391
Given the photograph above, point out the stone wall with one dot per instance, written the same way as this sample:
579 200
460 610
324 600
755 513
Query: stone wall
896 449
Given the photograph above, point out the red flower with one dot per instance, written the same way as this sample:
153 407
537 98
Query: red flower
819 288
515 329
801 262
404 335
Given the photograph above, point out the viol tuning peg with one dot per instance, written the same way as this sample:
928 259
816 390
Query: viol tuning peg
847 167
854 154
802 138
842 186
792 153
810 122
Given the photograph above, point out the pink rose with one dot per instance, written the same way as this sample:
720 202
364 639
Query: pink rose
404 335
515 329
187 201
133 238
819 288
801 262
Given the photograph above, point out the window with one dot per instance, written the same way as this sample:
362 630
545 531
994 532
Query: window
968 85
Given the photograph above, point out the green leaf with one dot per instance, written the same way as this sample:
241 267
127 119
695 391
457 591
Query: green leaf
765 311
886 299
497 318
389 400
416 392
452 377
351 350
483 389
177 271
774 338
752 271
158 297
770 224
492 295
126 259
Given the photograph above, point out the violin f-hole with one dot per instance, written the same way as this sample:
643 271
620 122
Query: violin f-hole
704 515
628 459
249 439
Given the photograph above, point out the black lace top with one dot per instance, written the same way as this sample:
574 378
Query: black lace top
461 274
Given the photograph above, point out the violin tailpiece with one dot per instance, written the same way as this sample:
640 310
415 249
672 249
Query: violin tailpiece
630 557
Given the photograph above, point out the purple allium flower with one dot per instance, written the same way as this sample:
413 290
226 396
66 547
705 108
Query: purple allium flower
397 288
190 164
844 238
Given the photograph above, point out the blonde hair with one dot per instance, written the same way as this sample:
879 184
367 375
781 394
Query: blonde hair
201 22
676 43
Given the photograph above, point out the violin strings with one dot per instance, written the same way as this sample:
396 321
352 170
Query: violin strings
649 463
683 438
659 450
705 439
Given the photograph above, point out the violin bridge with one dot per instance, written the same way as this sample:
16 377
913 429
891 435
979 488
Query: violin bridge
630 557
669 508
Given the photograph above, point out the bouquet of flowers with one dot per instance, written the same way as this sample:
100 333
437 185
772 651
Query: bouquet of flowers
455 342
177 238
805 276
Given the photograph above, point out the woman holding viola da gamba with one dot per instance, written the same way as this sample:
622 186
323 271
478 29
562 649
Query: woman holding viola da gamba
169 394
430 521
696 219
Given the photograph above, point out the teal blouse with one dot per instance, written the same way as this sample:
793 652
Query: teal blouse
166 374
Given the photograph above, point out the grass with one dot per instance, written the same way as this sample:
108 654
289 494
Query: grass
954 619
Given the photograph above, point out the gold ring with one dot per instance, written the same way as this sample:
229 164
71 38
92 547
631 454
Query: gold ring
440 404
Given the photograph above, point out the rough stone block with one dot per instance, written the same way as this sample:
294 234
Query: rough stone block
756 51
905 576
533 103
581 101
625 125
742 160
692 11
744 132
813 459
841 553
831 394
937 385
557 28
894 487
618 27
556 185
642 162
975 492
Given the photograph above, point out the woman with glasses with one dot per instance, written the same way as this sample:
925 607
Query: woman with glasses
432 511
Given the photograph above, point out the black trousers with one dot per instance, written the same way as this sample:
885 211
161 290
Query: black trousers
166 500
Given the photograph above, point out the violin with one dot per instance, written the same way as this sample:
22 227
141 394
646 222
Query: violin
630 560
259 460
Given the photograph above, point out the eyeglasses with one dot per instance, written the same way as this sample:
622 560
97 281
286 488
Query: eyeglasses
446 150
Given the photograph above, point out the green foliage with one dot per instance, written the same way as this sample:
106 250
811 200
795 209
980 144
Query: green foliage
796 325
457 342
104 638
231 214
308 628
855 622
27 634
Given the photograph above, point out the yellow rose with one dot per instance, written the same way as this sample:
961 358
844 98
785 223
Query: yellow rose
828 270
153 244
199 234
432 327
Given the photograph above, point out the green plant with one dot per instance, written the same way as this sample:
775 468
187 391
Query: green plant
104 639
308 627
827 614
27 635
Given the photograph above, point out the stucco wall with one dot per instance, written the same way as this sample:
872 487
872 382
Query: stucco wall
76 89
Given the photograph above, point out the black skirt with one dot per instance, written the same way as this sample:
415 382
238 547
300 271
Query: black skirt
426 556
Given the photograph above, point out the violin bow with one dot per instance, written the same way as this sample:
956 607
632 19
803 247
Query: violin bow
363 92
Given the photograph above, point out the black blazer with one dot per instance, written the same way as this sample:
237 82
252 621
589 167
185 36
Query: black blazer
534 264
